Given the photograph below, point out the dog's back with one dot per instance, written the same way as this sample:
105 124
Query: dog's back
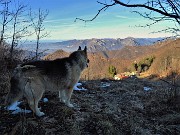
59 72
50 67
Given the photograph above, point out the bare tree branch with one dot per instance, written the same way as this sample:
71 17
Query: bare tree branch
19 28
37 21
99 11
166 9
6 19
163 12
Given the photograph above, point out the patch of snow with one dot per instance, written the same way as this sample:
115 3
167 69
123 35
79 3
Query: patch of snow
105 85
147 88
20 111
76 87
45 100
14 107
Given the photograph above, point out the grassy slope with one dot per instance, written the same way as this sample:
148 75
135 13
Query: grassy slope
122 108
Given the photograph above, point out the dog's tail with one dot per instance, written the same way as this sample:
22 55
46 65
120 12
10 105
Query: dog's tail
15 92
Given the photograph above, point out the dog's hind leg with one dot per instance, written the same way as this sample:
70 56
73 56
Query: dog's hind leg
34 106
33 96
68 94
15 92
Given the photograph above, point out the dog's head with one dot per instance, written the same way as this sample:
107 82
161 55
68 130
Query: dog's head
81 57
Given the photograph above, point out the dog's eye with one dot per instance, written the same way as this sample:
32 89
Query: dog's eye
87 60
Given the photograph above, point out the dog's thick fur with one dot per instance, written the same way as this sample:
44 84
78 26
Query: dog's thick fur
33 78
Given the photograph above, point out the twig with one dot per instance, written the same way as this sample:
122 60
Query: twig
99 11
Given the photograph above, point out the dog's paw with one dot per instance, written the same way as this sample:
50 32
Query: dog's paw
40 114
62 100
70 105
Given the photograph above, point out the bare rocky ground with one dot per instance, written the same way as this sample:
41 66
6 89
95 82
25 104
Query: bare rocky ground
107 107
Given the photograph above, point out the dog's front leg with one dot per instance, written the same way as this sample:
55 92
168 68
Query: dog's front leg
62 96
68 94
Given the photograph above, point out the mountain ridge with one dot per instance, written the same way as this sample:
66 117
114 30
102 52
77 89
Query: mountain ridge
93 45
105 44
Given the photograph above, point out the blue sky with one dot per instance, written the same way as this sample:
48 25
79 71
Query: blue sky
115 22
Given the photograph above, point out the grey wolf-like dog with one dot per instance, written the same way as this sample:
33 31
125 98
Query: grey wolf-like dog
32 79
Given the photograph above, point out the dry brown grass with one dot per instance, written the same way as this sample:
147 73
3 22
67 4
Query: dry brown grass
120 109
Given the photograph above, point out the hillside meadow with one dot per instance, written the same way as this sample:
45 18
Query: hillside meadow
146 104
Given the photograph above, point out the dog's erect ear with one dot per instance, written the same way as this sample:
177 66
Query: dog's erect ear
85 49
79 48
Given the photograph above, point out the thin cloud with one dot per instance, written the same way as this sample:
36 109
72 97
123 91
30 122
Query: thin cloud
123 17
